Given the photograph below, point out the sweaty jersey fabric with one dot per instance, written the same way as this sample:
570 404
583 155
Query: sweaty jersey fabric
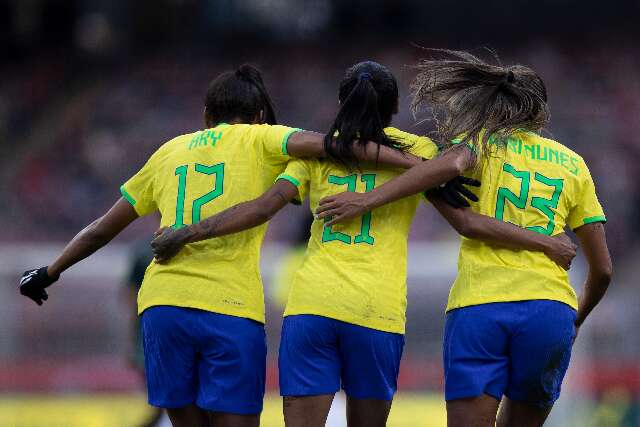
532 182
355 272
195 176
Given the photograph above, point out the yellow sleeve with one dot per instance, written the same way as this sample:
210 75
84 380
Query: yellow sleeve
425 148
421 146
138 190
587 208
298 173
273 140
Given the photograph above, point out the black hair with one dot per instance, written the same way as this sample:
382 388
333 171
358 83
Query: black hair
369 98
473 100
238 94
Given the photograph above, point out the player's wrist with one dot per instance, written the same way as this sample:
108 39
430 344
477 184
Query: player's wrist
187 235
547 244
53 272
371 200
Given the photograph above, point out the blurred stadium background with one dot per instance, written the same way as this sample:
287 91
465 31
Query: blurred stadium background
89 89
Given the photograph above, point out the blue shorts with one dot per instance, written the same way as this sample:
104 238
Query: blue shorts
212 360
517 349
318 353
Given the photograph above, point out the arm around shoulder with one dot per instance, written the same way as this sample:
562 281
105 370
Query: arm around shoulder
240 217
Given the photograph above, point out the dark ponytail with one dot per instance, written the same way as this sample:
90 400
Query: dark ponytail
473 101
369 98
239 94
253 76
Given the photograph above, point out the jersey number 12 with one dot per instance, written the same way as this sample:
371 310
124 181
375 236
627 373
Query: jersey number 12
217 171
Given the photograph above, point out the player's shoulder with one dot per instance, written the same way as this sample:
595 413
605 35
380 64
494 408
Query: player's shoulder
554 155
551 144
264 128
175 143
419 145
406 137
310 163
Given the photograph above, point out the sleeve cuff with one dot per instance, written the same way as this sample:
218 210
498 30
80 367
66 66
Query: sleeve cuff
289 178
592 219
127 196
295 201
285 141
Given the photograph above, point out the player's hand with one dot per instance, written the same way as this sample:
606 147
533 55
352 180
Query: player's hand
166 244
342 207
454 192
33 284
562 250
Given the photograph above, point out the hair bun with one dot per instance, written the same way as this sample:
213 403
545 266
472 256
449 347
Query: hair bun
510 77
249 72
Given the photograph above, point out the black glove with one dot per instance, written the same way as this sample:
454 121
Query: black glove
454 192
33 283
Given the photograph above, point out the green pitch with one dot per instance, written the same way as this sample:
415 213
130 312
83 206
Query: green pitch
108 410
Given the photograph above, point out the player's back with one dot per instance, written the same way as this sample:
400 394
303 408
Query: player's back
356 271
532 182
195 176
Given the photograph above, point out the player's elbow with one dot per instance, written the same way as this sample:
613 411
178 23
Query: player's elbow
468 230
603 274
466 227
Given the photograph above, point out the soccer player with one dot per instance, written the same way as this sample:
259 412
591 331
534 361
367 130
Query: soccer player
345 317
203 315
512 315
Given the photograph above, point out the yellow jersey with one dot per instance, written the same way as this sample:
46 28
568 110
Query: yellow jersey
535 183
195 176
355 272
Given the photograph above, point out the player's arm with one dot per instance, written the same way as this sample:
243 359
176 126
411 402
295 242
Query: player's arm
490 230
424 176
311 144
594 245
240 217
86 242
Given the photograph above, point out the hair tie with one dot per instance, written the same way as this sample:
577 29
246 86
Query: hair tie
510 77
507 79
364 76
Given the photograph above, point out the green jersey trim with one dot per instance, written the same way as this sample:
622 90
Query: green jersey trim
294 182
288 178
127 196
468 144
285 141
592 219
